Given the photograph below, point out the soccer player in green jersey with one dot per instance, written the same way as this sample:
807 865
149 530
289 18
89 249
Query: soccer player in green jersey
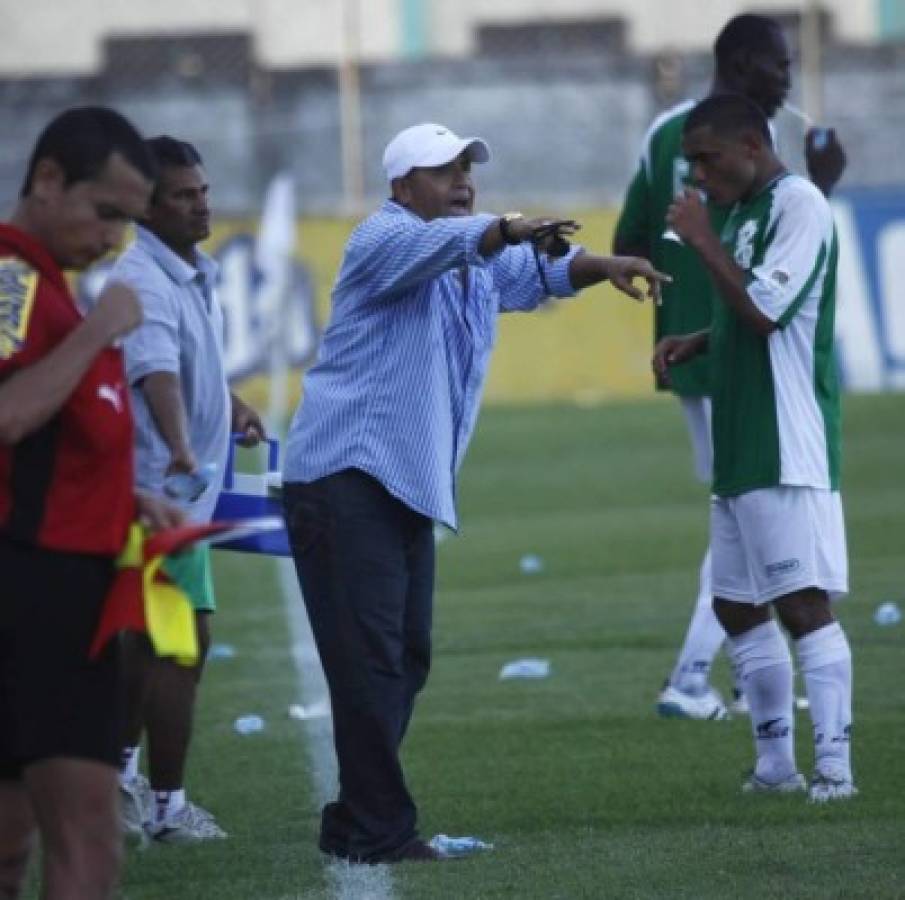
751 57
777 530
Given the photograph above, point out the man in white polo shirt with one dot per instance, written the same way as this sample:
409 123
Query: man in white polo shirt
183 415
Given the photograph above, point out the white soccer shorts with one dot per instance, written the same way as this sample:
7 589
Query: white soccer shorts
776 541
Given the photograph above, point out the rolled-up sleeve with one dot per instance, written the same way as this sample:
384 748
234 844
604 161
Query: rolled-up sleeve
524 279
154 345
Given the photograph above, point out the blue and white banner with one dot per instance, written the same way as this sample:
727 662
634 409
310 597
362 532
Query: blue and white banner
870 310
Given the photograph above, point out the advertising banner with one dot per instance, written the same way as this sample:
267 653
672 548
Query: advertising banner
588 349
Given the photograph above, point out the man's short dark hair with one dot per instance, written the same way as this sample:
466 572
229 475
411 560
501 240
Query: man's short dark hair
81 140
728 114
745 32
168 151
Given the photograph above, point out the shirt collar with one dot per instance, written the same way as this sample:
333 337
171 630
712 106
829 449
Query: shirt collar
391 206
175 266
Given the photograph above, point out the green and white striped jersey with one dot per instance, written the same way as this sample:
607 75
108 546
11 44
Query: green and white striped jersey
776 398
686 302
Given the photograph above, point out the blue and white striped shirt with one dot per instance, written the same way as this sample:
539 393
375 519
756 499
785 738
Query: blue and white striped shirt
397 383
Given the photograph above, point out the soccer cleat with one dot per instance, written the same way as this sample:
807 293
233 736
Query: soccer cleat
835 784
675 704
188 825
134 803
794 783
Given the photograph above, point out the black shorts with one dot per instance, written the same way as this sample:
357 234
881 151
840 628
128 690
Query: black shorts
54 701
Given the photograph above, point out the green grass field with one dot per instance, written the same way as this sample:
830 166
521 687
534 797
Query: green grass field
583 790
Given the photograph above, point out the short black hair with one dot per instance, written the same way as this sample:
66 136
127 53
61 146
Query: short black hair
728 114
744 32
168 151
82 139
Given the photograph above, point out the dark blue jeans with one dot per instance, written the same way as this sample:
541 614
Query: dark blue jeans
365 563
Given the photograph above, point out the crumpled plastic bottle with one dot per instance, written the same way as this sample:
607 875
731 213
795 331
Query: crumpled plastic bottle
458 846
248 724
888 614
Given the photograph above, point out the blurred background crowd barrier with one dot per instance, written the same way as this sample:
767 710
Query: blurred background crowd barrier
309 91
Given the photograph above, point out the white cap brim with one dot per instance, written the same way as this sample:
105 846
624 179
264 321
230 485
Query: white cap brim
418 148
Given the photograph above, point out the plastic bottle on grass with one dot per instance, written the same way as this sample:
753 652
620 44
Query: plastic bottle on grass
458 846
248 724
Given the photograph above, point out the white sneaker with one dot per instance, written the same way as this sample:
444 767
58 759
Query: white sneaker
754 784
675 704
134 804
739 705
190 824
831 784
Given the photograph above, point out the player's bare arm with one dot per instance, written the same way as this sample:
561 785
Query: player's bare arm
32 396
163 393
587 269
688 217
156 513
825 158
247 422
678 348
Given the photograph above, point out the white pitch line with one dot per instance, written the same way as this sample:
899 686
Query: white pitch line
347 882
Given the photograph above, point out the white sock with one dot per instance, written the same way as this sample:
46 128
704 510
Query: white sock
128 763
825 660
763 659
166 803
703 639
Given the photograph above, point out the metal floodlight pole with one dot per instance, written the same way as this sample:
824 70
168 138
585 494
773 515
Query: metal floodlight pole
810 41
350 108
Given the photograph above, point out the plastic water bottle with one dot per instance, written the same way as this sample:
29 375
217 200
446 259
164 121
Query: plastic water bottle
458 846
530 564
887 614
248 724
189 486
221 651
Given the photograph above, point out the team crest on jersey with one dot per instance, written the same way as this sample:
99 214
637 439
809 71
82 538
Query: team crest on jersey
18 284
744 243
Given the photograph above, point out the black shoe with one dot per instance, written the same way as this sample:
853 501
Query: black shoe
414 851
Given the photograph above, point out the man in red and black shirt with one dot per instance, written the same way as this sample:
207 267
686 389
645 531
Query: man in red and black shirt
66 502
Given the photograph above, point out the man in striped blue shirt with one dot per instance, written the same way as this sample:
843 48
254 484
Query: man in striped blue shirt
373 451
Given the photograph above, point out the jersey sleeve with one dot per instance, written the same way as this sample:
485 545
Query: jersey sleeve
797 244
19 325
633 226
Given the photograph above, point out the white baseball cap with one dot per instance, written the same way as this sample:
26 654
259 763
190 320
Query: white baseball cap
429 145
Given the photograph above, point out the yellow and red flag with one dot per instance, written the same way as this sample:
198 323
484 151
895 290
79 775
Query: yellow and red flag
143 598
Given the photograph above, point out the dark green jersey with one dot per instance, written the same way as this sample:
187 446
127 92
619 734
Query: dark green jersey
776 398
687 302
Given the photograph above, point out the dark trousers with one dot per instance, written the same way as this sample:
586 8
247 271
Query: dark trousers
365 563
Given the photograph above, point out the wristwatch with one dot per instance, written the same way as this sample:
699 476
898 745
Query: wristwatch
505 221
